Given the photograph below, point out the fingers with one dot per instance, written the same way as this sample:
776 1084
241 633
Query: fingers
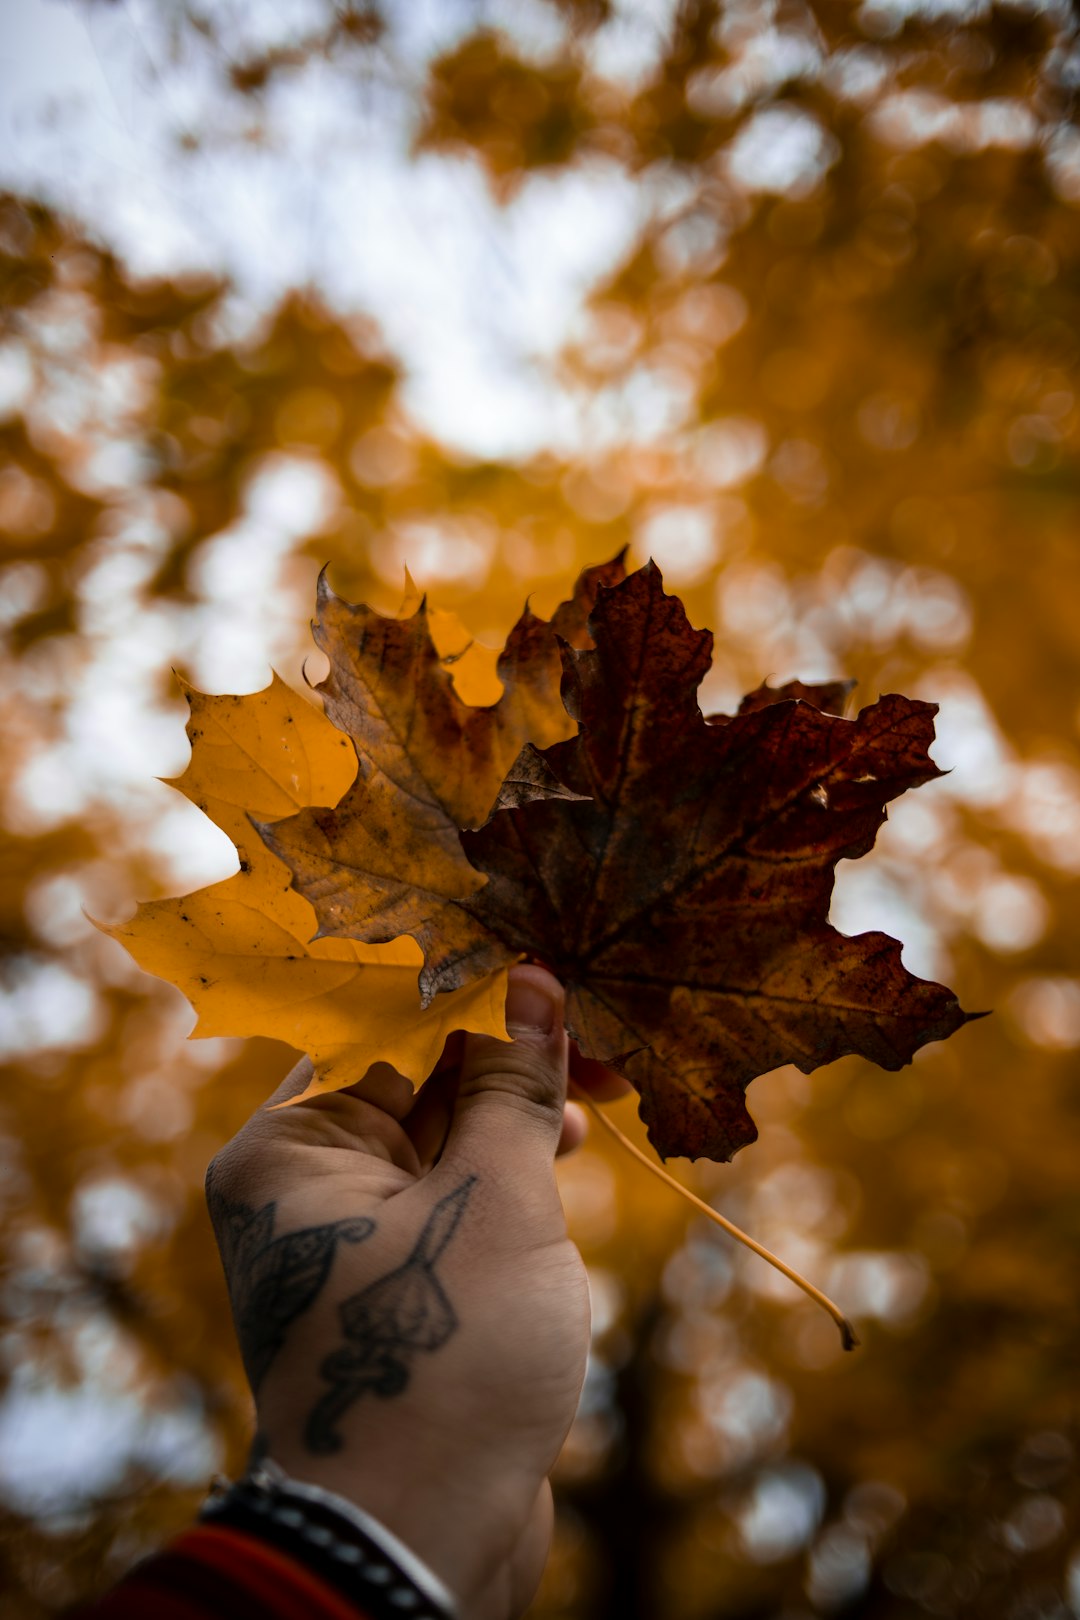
429 1118
364 1118
429 1122
382 1087
575 1128
602 1083
508 1113
296 1081
375 1107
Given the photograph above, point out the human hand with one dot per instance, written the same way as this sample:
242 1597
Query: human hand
413 1317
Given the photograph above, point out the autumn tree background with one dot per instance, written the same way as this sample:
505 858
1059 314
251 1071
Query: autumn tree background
787 296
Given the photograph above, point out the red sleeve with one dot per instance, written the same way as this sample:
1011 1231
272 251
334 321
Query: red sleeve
218 1574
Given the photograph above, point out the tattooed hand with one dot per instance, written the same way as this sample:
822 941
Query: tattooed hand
412 1316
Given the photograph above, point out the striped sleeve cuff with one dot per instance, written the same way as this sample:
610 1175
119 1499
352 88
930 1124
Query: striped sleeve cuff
221 1574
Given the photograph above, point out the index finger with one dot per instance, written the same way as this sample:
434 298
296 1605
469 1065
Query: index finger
601 1083
382 1086
365 1117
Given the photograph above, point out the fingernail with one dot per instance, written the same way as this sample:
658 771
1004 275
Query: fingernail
528 1006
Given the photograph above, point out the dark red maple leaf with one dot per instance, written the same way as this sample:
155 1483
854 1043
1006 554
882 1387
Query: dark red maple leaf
674 871
683 900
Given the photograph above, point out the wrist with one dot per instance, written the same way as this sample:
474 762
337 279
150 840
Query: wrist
412 1500
466 1527
349 1549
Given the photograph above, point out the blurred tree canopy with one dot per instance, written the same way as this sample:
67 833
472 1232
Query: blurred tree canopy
831 386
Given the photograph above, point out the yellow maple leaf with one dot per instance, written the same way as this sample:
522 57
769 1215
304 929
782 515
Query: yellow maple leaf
242 951
472 665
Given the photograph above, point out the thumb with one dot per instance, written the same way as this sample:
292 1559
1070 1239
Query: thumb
510 1098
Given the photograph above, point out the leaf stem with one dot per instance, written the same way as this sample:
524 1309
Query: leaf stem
848 1337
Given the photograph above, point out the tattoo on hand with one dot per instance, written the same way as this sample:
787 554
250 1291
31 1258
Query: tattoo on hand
272 1280
386 1324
